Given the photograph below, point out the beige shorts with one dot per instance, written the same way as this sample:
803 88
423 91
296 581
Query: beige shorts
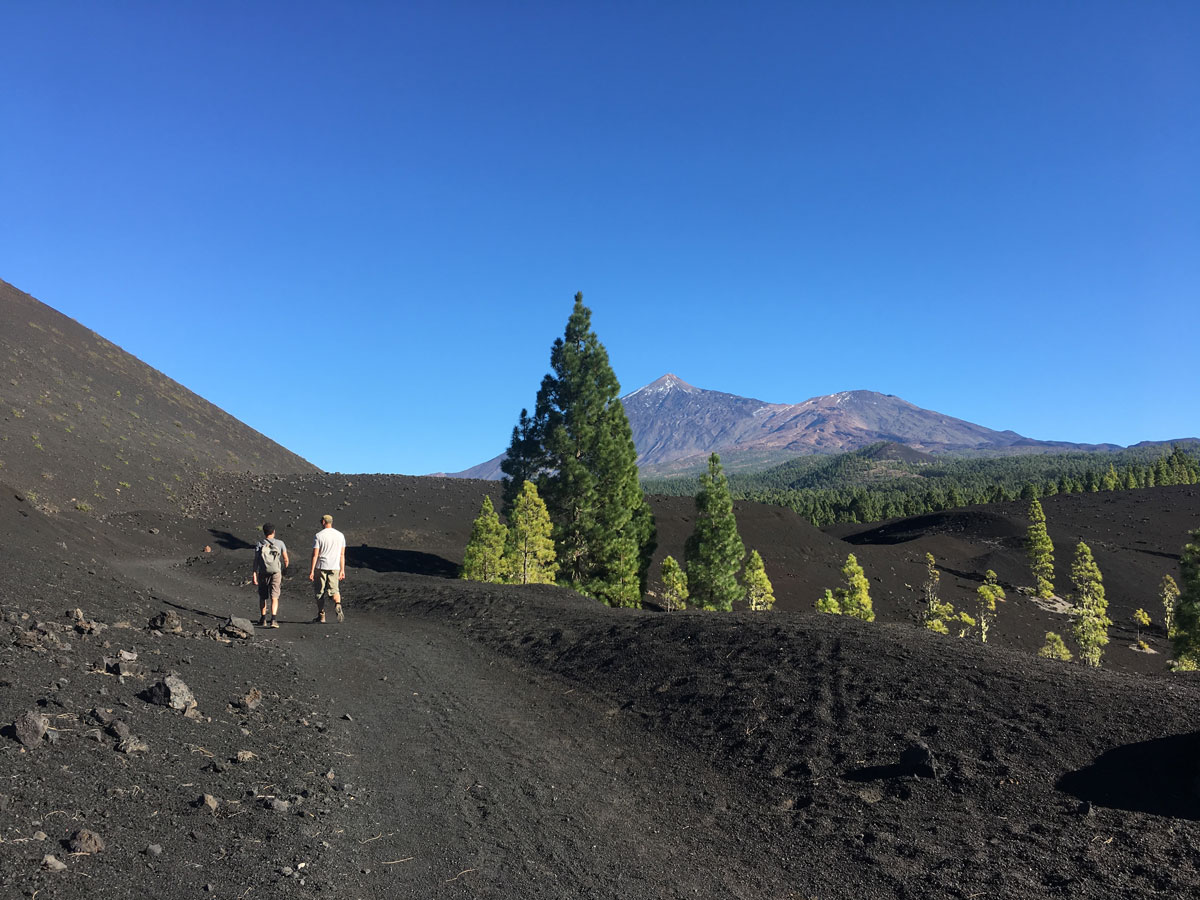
325 581
269 585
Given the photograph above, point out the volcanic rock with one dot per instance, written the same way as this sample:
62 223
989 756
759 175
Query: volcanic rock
85 841
172 692
30 727
167 621
237 627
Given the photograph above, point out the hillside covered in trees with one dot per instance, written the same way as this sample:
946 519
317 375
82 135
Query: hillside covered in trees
886 481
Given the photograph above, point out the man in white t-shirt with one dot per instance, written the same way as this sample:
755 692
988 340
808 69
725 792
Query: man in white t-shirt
328 567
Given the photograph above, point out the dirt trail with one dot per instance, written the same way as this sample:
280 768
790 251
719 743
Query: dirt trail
481 778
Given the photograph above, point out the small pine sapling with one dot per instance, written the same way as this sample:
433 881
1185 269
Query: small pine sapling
1090 608
1041 551
675 585
1054 648
483 559
829 604
1141 618
1168 595
855 598
759 593
989 593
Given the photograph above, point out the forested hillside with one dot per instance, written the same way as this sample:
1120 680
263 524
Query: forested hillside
887 481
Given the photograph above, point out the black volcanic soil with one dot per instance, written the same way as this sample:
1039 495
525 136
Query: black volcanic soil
462 740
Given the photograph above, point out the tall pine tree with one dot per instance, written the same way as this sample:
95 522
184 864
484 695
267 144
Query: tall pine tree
713 553
855 598
579 449
1090 609
529 551
1041 552
484 556
1187 609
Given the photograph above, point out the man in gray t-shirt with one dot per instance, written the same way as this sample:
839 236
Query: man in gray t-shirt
328 567
270 559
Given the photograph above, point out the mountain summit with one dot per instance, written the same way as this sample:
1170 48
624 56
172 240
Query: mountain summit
676 425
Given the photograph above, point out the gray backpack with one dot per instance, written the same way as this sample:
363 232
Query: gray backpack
269 557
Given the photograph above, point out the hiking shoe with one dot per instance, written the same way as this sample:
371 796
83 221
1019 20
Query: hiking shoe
319 620
274 624
262 621
341 615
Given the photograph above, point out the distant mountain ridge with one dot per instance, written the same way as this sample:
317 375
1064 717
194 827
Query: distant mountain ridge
676 425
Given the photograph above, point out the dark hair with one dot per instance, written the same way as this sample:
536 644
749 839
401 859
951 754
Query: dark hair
268 528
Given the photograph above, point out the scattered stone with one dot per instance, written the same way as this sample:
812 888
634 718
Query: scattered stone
172 692
127 655
4 802
245 756
154 531
94 734
30 727
347 717
917 759
40 835
84 841
133 744
154 850
103 716
120 730
237 627
167 621
276 805
207 801
252 700
51 864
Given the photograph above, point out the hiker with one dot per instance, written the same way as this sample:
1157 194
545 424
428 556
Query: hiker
270 559
328 567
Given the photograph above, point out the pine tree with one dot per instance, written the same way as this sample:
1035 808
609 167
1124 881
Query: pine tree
483 559
675 585
989 593
939 616
829 604
1141 618
713 553
759 593
579 449
529 551
1090 609
1041 551
1168 595
1054 648
855 598
1187 610
524 461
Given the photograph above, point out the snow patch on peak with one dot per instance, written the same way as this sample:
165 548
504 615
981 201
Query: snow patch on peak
664 385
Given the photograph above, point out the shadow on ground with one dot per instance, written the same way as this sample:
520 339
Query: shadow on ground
411 562
1160 777
229 541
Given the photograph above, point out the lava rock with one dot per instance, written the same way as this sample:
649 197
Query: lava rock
167 622
51 864
30 727
85 841
252 700
917 759
172 692
237 627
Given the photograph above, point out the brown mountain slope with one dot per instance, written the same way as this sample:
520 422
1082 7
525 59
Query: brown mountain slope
86 425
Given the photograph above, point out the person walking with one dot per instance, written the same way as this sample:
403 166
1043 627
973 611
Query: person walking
270 559
328 568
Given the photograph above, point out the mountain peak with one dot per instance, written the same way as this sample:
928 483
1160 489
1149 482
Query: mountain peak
663 385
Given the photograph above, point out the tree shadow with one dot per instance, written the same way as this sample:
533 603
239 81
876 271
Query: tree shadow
1160 777
228 540
410 562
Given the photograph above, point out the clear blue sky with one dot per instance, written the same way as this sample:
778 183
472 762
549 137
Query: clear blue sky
990 210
